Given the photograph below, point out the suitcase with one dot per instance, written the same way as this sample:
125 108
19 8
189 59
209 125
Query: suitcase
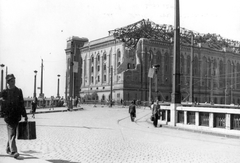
27 130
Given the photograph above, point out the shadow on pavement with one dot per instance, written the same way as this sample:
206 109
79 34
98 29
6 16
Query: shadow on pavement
61 161
29 151
5 156
21 157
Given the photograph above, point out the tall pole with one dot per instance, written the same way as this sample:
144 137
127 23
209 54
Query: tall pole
35 76
58 87
41 93
2 65
6 75
150 83
191 71
111 86
176 95
211 93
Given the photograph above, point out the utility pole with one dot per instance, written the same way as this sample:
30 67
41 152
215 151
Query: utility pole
58 87
176 94
150 82
41 92
2 65
6 75
35 78
211 95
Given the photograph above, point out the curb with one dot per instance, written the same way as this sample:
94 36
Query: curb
54 111
196 131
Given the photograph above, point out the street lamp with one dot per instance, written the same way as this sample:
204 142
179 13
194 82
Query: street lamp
156 67
2 65
35 76
58 86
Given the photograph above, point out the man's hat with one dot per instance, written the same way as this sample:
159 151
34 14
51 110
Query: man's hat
9 77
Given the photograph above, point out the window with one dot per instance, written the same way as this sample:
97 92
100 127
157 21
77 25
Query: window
92 69
104 56
98 68
104 78
98 78
98 58
104 67
92 79
92 59
128 66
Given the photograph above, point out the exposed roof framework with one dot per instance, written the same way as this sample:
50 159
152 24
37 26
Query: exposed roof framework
149 30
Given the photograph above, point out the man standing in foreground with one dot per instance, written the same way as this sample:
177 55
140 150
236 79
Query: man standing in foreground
12 108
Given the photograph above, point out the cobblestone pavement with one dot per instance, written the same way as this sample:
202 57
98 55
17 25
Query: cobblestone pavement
106 135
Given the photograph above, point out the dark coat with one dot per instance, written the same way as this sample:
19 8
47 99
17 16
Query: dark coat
13 105
132 109
156 109
34 106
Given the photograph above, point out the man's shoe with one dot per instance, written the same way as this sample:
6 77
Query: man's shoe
15 154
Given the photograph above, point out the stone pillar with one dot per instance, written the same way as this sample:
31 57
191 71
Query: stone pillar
101 70
108 68
185 118
95 70
228 121
197 118
83 73
211 120
173 112
89 71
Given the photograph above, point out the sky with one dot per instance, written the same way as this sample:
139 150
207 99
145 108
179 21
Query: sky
31 30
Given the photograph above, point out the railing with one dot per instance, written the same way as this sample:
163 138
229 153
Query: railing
204 118
235 121
41 103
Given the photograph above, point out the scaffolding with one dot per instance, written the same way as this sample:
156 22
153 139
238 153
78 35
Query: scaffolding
147 29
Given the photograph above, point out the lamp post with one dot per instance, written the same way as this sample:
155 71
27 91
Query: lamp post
35 76
176 94
58 86
2 65
156 66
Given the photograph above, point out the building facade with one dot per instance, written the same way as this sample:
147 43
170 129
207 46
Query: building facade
216 73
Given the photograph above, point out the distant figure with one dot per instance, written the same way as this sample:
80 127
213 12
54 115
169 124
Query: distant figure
76 101
132 110
156 113
34 106
51 104
44 102
13 110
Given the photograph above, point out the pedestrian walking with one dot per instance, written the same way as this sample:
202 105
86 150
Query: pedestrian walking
76 101
13 109
44 102
51 103
132 110
34 106
156 113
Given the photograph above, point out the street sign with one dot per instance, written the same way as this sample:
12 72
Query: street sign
151 72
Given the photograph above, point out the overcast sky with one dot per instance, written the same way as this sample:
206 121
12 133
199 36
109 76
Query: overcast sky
31 30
